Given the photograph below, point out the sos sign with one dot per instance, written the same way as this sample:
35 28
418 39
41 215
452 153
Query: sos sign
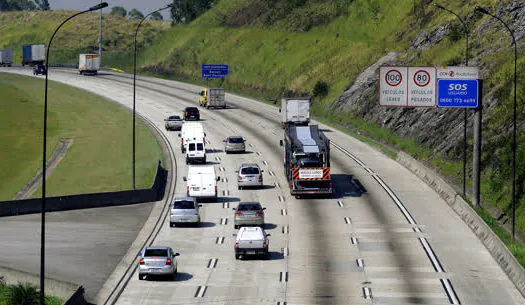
458 93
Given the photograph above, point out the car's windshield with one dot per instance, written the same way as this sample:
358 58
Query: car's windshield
249 207
235 140
249 171
156 252
184 205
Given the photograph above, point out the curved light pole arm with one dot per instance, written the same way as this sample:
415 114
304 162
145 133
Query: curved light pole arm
134 85
43 211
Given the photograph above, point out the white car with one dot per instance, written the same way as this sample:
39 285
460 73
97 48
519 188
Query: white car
251 241
185 210
173 122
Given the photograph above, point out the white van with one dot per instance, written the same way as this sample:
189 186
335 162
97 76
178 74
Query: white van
195 151
191 131
201 181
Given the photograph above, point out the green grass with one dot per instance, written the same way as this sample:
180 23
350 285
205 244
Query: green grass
79 35
5 297
99 159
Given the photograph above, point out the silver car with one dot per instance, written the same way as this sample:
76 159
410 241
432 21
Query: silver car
185 210
248 214
157 260
173 122
234 144
249 174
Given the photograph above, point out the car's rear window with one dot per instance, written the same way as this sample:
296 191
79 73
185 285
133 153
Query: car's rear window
249 171
192 109
192 146
249 207
183 205
174 117
200 146
236 140
156 252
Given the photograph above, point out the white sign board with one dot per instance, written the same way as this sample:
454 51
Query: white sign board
393 86
310 173
465 73
407 86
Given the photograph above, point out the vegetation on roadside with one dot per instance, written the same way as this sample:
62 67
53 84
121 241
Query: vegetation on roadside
80 35
99 160
23 294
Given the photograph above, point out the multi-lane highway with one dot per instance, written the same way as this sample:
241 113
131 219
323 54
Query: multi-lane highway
385 237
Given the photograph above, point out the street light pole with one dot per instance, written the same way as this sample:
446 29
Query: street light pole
484 11
43 209
134 86
100 37
465 28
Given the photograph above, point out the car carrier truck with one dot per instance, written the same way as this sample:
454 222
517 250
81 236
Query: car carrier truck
307 160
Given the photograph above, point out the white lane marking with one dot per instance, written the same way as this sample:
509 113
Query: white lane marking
223 179
226 179
251 145
221 169
219 240
340 203
285 252
347 220
258 153
430 253
451 293
360 263
283 276
281 198
271 173
200 292
396 200
283 212
369 170
212 263
265 163
285 230
281 303
223 192
367 292
277 185
227 192
226 205
355 241
224 221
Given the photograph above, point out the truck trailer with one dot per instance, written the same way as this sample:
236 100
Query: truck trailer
307 160
295 111
212 97
88 64
6 58
33 54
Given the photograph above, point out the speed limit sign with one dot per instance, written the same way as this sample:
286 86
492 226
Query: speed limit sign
407 86
393 86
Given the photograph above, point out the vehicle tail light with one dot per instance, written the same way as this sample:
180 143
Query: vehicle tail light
186 113
290 166
182 141
265 245
215 190
260 178
168 261
141 261
240 177
198 112
238 213
188 190
237 244
330 185
259 213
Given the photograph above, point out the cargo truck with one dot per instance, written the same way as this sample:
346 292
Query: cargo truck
212 97
307 160
295 111
88 64
6 58
33 54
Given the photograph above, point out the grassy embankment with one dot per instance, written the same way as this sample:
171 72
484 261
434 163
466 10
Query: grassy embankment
80 35
99 160
287 48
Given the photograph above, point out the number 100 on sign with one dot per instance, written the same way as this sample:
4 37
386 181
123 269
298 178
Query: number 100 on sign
393 86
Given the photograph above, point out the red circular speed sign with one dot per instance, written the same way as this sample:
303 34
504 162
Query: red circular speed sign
421 78
393 78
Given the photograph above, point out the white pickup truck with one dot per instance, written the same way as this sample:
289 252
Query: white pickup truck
251 241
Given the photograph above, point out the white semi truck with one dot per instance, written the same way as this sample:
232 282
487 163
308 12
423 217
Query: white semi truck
88 64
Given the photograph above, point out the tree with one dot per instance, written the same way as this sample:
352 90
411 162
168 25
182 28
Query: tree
135 14
21 5
185 11
4 6
24 294
157 16
43 5
119 11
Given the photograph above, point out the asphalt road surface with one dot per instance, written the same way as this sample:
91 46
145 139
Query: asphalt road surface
385 237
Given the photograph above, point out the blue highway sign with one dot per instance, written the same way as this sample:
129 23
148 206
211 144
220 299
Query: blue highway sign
214 71
457 93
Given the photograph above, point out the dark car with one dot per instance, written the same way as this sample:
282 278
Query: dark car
191 113
39 69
